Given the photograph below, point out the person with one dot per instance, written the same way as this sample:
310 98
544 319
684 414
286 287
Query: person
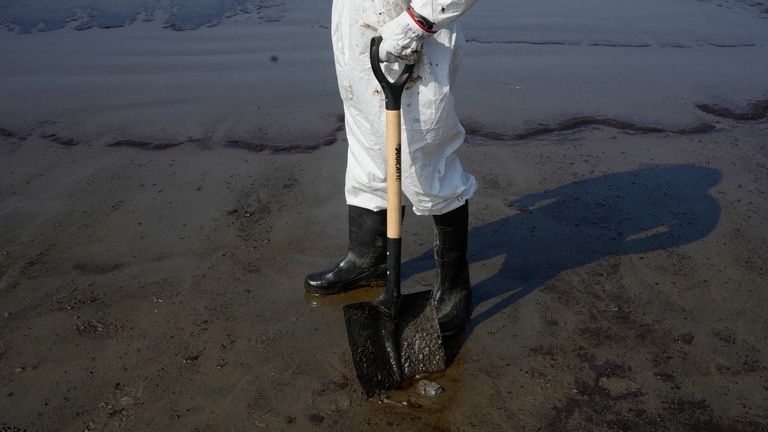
427 33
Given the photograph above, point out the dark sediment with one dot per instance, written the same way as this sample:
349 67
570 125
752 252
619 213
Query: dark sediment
756 110
68 142
472 128
566 43
737 45
11 134
280 149
45 15
147 145
96 268
521 42
328 140
476 129
607 44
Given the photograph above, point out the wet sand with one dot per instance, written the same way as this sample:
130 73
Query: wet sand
619 284
152 255
260 83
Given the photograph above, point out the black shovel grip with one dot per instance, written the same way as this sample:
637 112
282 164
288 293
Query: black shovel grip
393 91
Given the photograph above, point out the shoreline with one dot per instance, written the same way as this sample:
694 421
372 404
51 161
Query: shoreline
751 111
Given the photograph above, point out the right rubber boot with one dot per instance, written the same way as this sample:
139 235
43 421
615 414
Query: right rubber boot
366 261
452 293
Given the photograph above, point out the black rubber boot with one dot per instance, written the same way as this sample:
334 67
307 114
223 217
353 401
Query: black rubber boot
365 262
452 293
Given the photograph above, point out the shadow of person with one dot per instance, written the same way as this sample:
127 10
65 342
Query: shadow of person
646 209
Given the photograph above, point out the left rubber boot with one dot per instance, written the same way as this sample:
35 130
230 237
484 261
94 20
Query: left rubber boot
365 263
452 293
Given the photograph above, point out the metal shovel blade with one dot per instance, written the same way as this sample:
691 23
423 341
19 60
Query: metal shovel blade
386 352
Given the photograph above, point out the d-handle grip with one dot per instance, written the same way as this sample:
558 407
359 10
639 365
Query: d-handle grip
393 91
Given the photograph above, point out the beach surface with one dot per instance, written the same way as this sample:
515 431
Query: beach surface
169 175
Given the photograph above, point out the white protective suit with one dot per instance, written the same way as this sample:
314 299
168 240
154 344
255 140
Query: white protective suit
432 176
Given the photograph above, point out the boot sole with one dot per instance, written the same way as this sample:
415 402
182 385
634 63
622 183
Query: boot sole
449 328
367 283
453 331
457 324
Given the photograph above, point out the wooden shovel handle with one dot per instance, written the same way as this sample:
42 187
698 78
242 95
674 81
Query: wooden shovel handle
393 91
394 197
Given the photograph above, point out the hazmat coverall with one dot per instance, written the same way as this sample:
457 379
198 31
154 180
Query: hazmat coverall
432 175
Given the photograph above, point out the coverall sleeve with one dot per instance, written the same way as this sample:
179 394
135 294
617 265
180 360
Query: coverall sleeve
441 11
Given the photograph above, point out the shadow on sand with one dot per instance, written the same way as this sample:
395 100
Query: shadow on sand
646 209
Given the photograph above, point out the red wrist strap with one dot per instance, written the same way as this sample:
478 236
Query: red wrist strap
418 22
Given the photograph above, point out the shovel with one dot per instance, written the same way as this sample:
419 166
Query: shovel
396 336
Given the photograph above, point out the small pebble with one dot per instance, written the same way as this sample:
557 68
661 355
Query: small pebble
429 388
315 419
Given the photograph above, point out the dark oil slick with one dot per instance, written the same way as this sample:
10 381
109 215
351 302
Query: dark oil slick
46 15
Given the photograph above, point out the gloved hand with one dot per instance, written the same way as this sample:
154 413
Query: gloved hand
403 37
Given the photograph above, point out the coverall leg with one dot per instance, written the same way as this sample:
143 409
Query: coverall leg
433 178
